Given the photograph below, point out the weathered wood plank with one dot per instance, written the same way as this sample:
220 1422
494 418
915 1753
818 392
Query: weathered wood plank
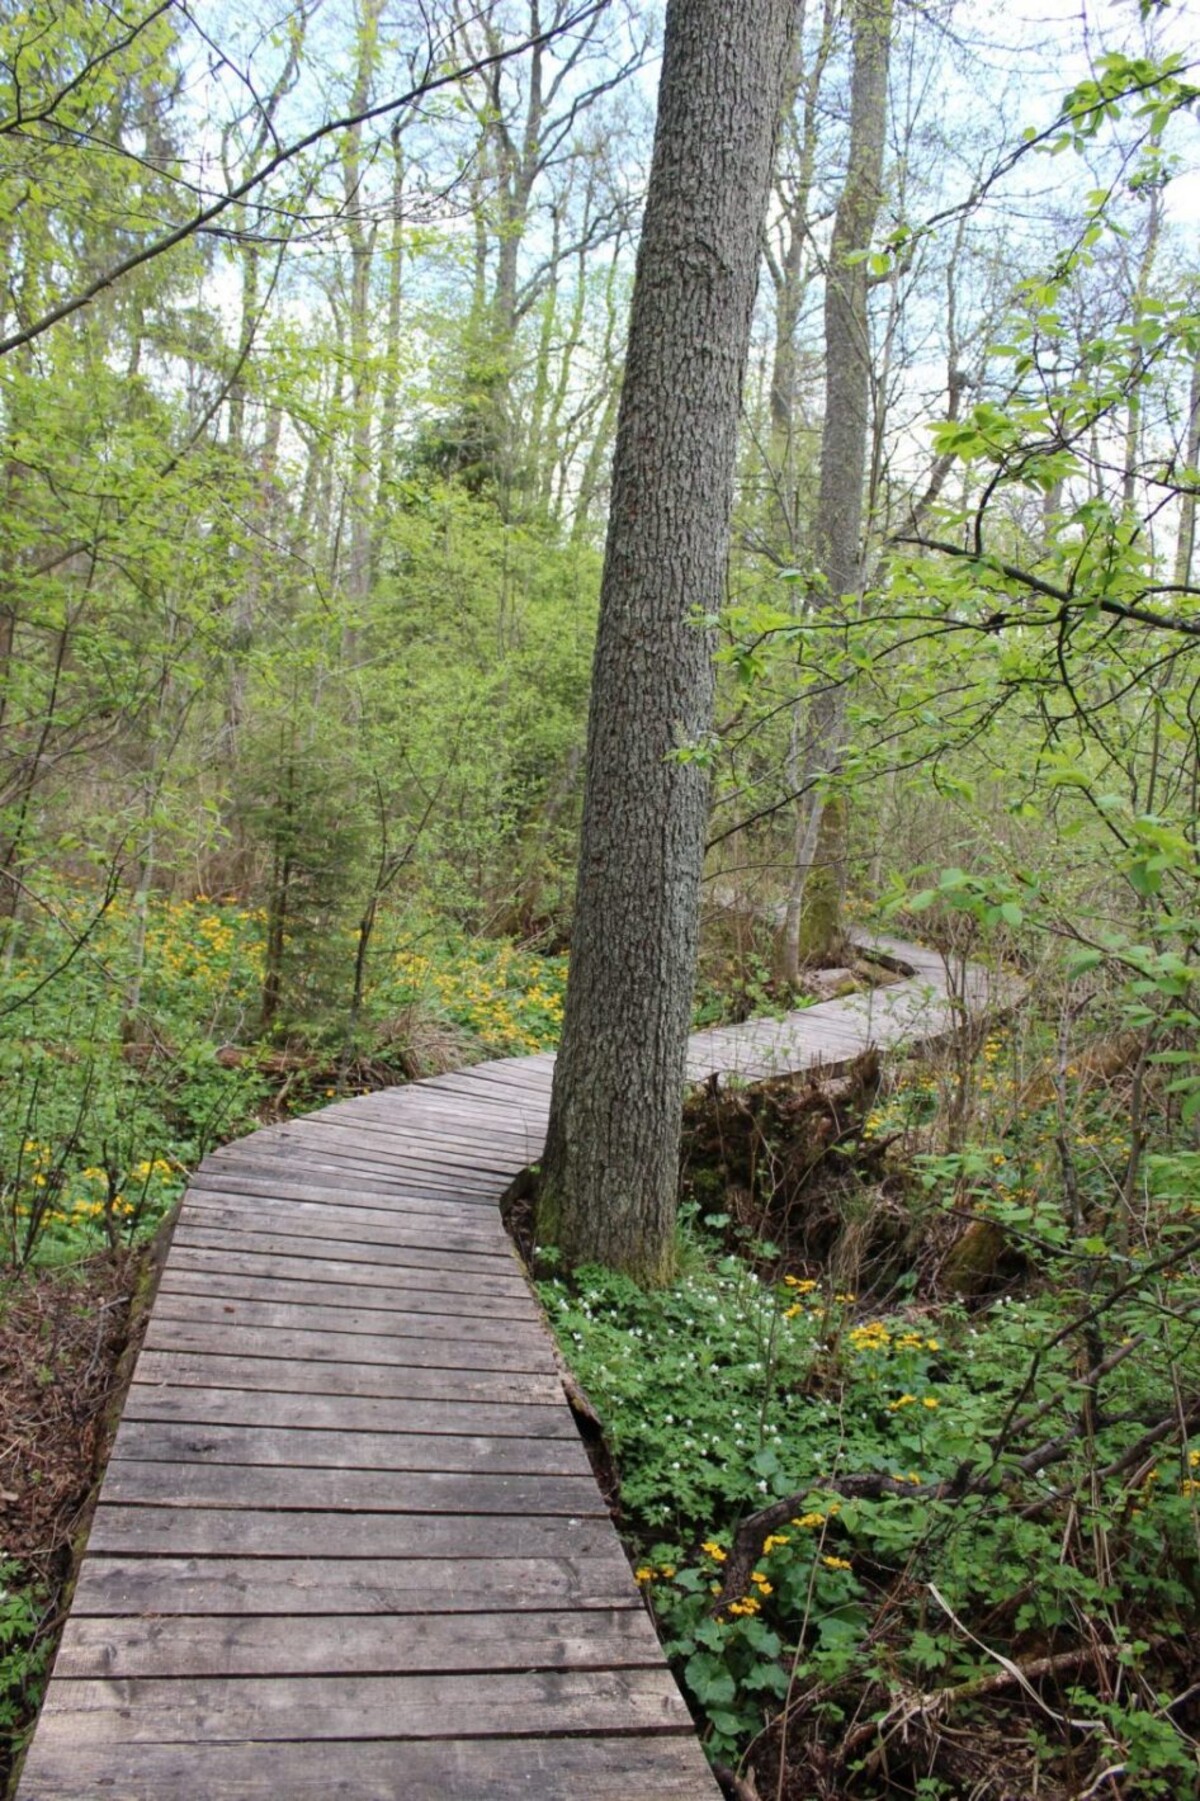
326 1190
256 1487
293 1447
472 1115
313 1315
476 1288
320 1171
401 1145
213 1531
462 1232
526 1354
468 1120
356 1644
342 1227
282 1182
150 1710
626 1768
228 1284
312 1247
461 1227
474 1083
242 1586
348 1413
396 1178
393 1263
345 1285
315 1153
368 1380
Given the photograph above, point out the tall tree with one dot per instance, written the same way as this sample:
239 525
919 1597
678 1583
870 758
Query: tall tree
812 927
611 1165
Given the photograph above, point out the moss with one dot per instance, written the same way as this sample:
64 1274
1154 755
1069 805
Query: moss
821 917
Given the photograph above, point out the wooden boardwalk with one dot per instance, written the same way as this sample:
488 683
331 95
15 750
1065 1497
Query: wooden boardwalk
349 1544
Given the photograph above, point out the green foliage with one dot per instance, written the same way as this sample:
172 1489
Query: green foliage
24 1648
726 1392
108 1110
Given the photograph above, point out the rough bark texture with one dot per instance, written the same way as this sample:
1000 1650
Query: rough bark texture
611 1166
814 927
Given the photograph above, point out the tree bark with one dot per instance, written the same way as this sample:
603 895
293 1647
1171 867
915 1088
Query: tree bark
813 928
611 1166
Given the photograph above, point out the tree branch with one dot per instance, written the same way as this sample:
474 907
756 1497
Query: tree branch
204 216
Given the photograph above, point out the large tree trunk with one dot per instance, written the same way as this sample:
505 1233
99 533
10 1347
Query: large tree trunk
611 1165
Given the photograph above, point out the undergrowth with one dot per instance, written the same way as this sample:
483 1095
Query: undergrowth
911 1542
130 1044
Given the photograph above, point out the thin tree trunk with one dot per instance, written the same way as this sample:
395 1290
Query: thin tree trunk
611 1165
815 926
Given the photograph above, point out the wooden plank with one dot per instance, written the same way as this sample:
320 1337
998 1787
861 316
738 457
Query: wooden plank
254 1160
476 1289
309 1248
465 1228
402 1145
427 1093
322 1172
528 1354
365 1380
490 1088
356 1644
522 1769
253 1586
155 1710
406 1136
325 1188
343 1226
318 1236
293 1447
426 1111
447 1211
227 1284
339 1147
390 1285
348 1413
405 1179
255 1487
252 1169
211 1531
315 1316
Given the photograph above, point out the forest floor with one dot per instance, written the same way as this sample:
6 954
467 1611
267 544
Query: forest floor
67 1341
909 1456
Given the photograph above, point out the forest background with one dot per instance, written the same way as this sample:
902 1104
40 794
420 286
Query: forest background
303 507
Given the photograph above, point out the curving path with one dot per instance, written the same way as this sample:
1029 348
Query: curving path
349 1544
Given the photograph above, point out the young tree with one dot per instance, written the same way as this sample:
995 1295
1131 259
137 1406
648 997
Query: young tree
610 1169
812 928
